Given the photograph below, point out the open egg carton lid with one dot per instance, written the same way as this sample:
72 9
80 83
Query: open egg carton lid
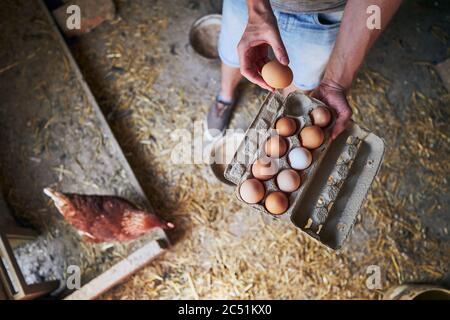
327 204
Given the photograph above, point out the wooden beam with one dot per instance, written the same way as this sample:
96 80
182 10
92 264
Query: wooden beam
119 272
10 273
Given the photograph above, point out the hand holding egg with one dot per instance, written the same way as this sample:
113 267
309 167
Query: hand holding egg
260 33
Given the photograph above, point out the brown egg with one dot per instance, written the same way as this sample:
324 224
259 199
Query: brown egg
311 137
288 180
277 75
276 146
286 126
252 191
277 202
321 116
264 168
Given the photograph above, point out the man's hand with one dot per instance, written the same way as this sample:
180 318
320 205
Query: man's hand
353 42
333 95
260 33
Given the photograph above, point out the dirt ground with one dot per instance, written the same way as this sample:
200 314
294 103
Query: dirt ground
149 82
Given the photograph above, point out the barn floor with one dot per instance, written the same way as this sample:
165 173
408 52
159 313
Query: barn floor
149 83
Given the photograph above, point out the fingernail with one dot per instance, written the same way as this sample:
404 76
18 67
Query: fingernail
284 60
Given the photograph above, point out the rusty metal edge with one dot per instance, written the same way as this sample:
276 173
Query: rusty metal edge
148 252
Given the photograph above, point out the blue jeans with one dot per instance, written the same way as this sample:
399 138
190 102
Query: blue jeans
308 37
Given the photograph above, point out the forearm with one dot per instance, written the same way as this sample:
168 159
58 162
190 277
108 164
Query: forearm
355 39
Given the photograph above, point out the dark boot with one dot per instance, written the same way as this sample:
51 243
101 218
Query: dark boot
218 118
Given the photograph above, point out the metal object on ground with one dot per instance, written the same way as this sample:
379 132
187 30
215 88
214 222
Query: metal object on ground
349 164
417 292
221 154
204 35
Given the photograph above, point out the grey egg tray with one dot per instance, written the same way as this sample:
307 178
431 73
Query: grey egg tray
333 187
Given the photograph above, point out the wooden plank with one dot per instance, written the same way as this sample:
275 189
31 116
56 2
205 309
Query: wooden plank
10 273
3 295
36 290
119 272
6 220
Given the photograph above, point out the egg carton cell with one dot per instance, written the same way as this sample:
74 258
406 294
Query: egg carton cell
334 183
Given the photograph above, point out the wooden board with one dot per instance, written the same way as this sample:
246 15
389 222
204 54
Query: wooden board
119 272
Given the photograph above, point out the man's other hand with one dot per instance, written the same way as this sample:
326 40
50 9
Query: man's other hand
334 96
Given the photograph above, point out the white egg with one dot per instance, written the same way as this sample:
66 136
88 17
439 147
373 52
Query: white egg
300 158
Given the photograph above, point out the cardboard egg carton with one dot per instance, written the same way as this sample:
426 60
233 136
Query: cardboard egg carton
298 108
333 187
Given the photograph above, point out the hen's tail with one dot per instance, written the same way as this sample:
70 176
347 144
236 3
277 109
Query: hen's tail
58 198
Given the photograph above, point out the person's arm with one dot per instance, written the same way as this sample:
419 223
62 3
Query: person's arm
352 44
261 32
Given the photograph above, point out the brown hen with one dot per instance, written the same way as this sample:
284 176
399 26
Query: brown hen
105 218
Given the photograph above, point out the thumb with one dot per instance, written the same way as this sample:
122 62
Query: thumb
278 48
341 124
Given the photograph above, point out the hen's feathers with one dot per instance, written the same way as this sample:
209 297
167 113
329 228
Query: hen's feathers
105 218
